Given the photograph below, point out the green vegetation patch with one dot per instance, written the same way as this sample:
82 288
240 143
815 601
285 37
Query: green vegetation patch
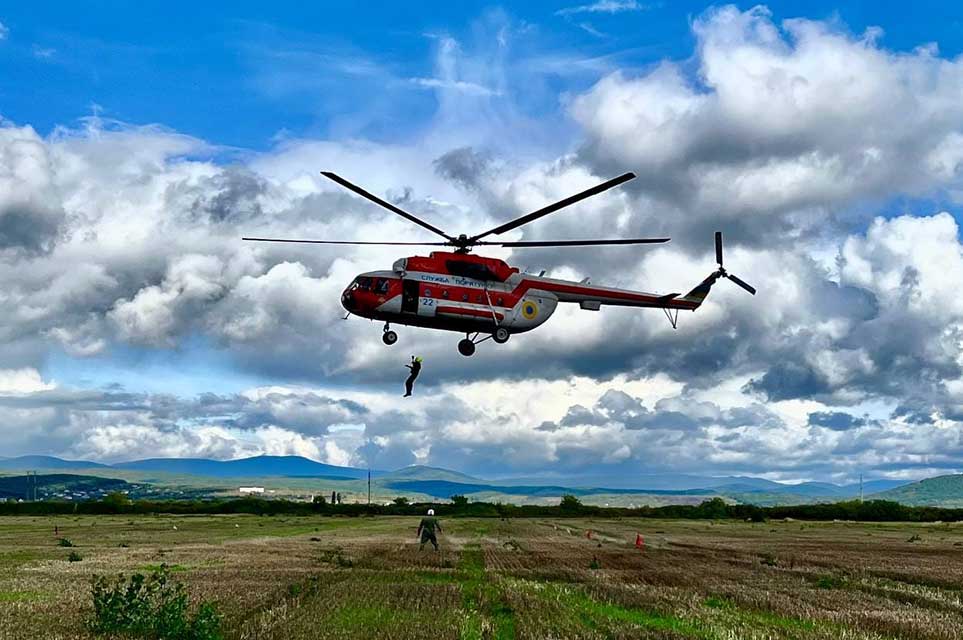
768 620
170 568
830 582
597 614
483 600
21 596
14 559
151 606
434 577
354 617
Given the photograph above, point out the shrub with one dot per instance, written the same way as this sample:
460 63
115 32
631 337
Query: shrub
74 557
151 606
829 582
64 542
570 503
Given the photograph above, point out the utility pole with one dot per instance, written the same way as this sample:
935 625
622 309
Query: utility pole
860 487
31 492
369 486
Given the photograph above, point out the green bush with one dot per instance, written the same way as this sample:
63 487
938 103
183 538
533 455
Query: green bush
830 582
151 606
64 542
74 557
570 503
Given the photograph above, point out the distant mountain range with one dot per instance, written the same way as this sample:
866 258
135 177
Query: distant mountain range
29 463
446 489
443 483
288 466
259 466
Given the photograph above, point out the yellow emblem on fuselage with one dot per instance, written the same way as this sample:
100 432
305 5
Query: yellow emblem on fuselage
529 310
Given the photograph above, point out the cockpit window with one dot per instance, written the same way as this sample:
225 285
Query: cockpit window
381 285
364 283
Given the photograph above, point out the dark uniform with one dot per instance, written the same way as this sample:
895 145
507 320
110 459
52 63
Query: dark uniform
415 367
426 529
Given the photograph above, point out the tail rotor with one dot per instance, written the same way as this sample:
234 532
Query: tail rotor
722 273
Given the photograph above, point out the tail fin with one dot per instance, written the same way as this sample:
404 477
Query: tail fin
699 293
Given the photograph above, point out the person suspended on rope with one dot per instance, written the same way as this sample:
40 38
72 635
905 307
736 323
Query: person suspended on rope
426 530
415 368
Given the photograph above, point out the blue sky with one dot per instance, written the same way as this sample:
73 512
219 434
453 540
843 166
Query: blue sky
141 140
214 73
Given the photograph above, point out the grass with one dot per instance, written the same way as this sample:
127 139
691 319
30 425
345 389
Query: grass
308 577
603 614
170 568
20 596
482 598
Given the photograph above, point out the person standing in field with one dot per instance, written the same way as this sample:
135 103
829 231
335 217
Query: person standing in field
426 530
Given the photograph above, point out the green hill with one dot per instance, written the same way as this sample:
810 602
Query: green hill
941 491
62 486
421 472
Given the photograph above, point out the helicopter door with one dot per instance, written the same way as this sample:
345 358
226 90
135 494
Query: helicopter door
409 296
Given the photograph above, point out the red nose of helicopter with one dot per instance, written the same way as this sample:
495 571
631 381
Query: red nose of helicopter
347 300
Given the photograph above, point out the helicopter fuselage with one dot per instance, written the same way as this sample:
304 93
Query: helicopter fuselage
475 294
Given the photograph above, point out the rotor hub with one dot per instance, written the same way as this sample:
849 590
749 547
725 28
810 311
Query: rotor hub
463 243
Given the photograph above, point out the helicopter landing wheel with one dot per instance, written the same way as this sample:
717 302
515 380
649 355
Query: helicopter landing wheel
466 347
389 337
501 335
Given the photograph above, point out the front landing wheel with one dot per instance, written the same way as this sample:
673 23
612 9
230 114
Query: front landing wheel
466 347
501 335
389 337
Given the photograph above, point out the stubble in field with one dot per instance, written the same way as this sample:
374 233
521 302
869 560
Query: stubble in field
303 577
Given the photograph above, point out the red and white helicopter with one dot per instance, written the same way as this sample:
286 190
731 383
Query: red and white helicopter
479 296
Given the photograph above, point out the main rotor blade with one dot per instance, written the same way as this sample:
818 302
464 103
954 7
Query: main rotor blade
561 204
575 243
387 205
719 248
742 283
407 244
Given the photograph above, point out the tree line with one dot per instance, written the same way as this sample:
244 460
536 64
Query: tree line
459 506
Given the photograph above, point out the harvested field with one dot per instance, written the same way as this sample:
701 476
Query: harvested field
308 577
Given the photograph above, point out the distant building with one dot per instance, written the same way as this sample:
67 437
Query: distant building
246 491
